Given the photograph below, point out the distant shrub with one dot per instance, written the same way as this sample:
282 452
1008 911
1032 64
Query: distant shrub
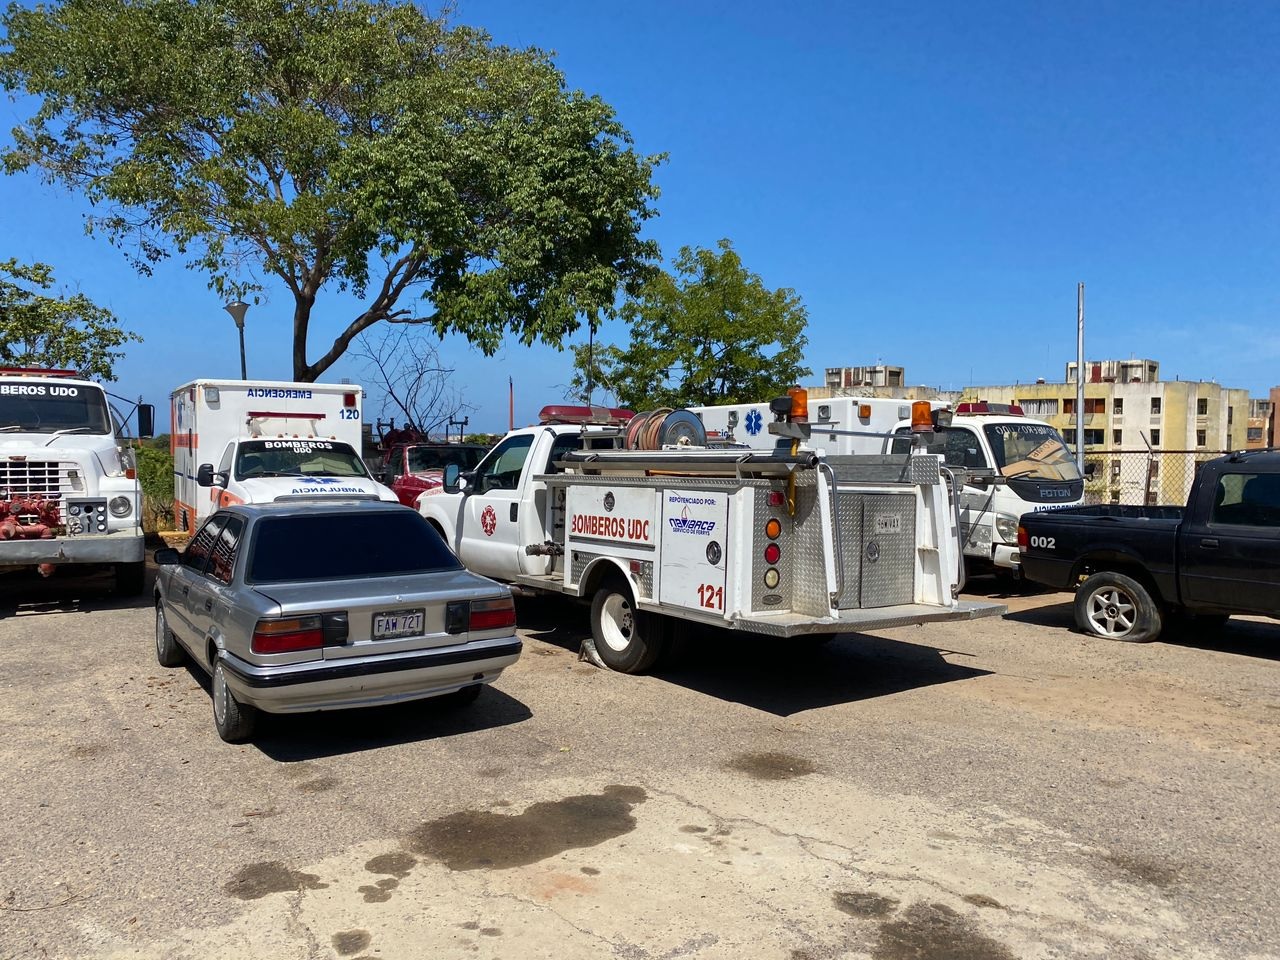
155 473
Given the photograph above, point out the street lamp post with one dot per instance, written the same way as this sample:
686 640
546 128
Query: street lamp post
238 309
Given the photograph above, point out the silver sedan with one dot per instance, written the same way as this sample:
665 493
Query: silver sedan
324 606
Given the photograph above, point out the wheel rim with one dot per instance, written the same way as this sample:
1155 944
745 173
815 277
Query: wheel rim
160 630
219 695
1111 612
617 623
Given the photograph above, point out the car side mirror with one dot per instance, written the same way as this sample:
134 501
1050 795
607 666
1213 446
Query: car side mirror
146 421
204 475
167 556
452 478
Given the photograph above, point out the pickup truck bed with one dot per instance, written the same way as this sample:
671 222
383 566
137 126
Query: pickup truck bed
1133 567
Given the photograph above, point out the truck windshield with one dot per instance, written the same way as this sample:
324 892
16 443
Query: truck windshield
1031 450
297 458
422 459
27 407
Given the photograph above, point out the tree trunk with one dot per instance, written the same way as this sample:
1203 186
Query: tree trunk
302 304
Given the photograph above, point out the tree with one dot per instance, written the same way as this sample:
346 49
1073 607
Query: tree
65 331
412 379
709 333
356 144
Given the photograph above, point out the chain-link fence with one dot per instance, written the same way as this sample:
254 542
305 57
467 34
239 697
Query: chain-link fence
1144 477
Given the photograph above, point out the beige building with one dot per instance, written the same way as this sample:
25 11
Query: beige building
879 375
1261 413
1186 422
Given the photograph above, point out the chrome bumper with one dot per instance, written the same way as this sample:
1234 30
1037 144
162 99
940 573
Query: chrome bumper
126 546
368 681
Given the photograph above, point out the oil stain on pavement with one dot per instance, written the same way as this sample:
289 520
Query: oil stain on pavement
482 840
864 904
256 880
933 931
396 864
772 766
350 941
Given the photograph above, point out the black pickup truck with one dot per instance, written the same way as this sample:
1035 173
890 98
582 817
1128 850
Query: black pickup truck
1134 568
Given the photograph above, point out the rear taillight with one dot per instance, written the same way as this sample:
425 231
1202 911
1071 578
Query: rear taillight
492 614
288 635
1023 540
772 553
462 616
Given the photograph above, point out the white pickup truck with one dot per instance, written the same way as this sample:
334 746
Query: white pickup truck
781 542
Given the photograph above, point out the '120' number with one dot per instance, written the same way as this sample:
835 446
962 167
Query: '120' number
711 596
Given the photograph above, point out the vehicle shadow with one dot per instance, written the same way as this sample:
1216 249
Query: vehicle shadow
773 674
66 591
290 738
1246 638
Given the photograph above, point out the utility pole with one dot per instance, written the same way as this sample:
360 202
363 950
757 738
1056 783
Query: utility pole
1080 378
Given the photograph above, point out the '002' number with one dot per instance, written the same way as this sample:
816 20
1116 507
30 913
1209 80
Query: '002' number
1045 543
711 596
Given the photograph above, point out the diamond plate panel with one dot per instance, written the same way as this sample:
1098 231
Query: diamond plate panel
923 470
811 593
889 549
786 566
848 508
581 559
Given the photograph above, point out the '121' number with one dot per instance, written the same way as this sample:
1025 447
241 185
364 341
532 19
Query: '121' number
711 596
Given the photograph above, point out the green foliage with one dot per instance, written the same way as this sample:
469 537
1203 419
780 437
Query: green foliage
361 144
709 333
69 332
155 474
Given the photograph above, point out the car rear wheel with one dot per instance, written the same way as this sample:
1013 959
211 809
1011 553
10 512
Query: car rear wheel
1115 607
626 639
169 652
234 720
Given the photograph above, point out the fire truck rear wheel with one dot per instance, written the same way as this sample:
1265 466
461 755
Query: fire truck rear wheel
131 578
627 640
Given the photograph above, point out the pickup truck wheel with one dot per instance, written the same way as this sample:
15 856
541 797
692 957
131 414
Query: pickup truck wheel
627 639
1115 607
233 720
169 652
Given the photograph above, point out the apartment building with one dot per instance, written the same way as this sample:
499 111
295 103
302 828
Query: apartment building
1124 421
1261 412
879 375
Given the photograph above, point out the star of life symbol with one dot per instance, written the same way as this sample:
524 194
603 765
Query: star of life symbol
754 422
488 521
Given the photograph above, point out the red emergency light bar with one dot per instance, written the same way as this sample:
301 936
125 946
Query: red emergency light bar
277 415
595 416
36 372
981 407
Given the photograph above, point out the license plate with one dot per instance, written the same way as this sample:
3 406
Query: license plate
398 623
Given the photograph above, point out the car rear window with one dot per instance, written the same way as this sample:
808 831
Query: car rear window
341 546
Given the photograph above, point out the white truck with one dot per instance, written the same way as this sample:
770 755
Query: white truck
1011 464
255 441
69 494
781 542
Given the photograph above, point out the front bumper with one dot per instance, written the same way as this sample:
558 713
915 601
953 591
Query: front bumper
123 546
1006 555
368 681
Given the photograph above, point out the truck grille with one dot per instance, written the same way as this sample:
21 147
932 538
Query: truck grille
49 479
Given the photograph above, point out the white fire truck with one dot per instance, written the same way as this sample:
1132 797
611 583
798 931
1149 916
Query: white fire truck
1011 463
255 441
68 493
781 542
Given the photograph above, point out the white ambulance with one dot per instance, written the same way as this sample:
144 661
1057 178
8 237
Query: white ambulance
255 441
1011 463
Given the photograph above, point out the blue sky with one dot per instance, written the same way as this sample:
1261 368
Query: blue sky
933 179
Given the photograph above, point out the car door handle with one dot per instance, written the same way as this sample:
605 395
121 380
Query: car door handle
515 510
208 604
185 591
1209 543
